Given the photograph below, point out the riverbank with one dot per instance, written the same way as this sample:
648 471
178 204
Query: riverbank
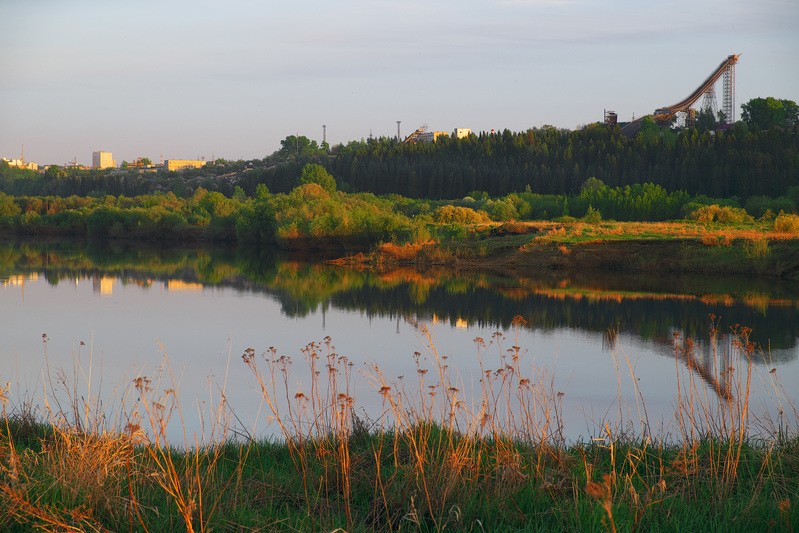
427 478
678 247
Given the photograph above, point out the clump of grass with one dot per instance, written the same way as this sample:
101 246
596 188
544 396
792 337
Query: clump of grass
715 239
402 252
757 248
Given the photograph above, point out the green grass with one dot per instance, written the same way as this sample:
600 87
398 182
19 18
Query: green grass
497 485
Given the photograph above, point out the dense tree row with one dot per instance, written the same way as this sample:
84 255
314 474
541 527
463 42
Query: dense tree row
739 162
758 157
315 213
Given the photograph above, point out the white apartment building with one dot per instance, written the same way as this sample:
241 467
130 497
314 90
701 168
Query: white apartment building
103 160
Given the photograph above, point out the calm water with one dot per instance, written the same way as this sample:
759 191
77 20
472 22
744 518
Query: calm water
184 317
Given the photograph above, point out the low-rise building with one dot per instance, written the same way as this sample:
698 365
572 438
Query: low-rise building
460 133
21 163
180 164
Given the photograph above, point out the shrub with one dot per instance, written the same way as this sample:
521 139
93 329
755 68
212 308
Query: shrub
502 210
450 214
592 216
786 223
315 173
717 213
8 207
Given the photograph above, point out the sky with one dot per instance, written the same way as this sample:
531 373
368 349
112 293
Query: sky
182 79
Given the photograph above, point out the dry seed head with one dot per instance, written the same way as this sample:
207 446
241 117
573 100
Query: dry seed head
595 490
634 495
142 383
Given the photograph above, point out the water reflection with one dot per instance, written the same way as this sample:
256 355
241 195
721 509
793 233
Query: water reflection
649 306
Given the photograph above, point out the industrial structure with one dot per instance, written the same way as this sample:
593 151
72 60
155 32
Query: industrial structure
21 163
726 71
422 135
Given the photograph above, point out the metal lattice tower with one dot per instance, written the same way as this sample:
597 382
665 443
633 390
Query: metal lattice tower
709 103
728 106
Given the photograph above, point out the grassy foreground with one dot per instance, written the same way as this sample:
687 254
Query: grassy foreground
430 462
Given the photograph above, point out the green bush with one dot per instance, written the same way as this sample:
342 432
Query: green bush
592 216
314 173
502 210
8 207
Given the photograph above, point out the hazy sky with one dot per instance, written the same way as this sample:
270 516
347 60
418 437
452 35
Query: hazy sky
231 78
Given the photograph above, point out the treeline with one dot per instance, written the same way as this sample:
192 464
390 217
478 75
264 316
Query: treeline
316 213
58 180
739 163
313 211
736 163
